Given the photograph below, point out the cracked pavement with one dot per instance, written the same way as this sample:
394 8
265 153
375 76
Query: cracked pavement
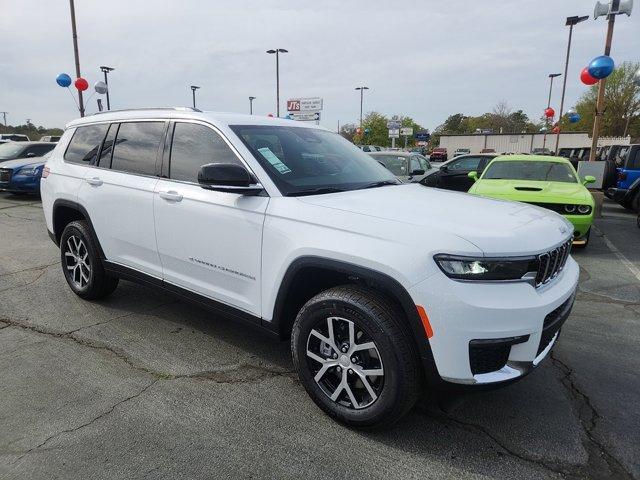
141 385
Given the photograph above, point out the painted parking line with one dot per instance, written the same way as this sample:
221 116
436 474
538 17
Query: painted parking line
625 261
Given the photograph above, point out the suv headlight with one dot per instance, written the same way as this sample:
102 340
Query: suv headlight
483 269
28 171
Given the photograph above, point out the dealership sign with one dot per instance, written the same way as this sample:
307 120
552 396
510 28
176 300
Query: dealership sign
312 104
304 116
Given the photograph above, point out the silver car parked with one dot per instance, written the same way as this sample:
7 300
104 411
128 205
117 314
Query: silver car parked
409 167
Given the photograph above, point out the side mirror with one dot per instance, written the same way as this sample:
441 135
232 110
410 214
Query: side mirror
444 168
228 177
417 172
31 154
473 176
588 179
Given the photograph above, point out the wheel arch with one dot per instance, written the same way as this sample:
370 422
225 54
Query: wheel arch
67 211
307 276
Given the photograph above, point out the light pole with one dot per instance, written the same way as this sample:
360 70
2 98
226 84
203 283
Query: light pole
615 7
4 115
76 54
193 93
362 89
551 77
106 70
251 99
571 21
277 51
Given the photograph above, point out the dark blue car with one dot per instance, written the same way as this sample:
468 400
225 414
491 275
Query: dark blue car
628 172
22 175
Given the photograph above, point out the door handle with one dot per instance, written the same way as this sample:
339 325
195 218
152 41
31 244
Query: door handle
95 181
171 196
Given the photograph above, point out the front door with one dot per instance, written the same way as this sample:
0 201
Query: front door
454 176
209 242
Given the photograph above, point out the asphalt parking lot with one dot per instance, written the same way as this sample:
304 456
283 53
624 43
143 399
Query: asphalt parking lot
143 386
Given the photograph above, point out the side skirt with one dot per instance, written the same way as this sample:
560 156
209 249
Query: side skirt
220 308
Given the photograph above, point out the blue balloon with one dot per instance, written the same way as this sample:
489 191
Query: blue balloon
601 67
63 80
574 118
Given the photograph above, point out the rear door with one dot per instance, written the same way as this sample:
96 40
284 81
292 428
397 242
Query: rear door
118 194
454 175
209 242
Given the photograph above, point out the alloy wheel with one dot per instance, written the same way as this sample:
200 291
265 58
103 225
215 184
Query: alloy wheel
77 261
345 362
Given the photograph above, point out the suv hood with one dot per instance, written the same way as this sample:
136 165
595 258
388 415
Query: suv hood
495 227
533 191
22 162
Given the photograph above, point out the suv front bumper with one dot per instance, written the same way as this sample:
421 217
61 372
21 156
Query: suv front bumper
489 333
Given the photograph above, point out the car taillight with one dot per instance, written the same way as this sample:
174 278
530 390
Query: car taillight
45 172
622 175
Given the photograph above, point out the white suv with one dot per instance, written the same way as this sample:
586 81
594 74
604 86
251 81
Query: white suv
381 287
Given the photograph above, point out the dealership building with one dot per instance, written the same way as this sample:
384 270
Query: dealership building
522 142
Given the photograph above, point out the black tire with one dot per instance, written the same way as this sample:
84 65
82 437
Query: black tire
610 175
78 249
376 320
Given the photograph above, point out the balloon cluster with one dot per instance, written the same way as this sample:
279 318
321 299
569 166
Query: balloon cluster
81 84
599 68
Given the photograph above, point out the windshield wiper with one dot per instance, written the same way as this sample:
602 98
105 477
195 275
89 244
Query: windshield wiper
315 191
379 184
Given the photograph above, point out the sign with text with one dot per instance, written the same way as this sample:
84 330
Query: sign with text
394 133
406 131
305 116
312 104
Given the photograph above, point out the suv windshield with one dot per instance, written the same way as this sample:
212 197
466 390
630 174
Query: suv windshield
9 151
530 170
304 161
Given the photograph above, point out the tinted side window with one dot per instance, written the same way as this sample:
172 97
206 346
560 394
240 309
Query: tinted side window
634 159
85 144
469 163
40 150
107 147
196 145
415 164
136 147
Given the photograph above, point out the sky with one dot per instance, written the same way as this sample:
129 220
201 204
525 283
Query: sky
423 58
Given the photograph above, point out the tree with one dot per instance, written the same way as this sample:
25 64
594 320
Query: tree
348 131
378 134
31 130
622 105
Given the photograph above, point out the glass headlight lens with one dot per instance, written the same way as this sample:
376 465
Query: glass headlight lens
584 209
28 171
569 208
466 268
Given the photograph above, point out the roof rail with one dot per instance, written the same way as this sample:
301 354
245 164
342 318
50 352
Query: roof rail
179 109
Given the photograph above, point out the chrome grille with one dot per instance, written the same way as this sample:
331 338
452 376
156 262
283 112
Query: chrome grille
5 174
551 263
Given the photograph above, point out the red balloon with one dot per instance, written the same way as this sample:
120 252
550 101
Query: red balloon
81 84
586 77
555 130
549 112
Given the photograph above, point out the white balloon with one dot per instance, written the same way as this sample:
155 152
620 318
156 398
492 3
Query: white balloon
100 87
571 111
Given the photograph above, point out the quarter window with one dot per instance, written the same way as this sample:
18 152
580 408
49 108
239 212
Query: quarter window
85 144
136 147
195 145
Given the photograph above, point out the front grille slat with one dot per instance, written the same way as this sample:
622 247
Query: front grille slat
551 263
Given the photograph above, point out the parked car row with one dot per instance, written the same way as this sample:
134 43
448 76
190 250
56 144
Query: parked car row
21 165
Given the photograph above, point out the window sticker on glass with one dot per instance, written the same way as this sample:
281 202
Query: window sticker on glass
273 160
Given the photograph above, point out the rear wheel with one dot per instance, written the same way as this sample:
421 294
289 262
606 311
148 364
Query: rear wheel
354 356
81 263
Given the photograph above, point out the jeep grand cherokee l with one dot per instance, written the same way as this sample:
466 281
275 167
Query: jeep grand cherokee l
381 287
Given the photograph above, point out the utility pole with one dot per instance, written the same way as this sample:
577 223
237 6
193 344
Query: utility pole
251 99
193 93
277 51
571 21
4 114
362 89
551 76
76 54
106 70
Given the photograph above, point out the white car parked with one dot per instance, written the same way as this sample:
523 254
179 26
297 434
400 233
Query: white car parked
381 287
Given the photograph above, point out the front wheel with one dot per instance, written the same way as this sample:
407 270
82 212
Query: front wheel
355 357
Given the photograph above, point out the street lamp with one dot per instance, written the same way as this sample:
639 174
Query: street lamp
251 99
106 70
278 51
551 77
615 7
571 21
193 92
362 89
